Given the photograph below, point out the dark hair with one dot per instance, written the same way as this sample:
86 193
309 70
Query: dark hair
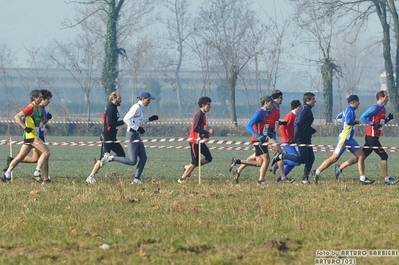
308 96
295 103
381 94
34 94
46 94
204 101
276 94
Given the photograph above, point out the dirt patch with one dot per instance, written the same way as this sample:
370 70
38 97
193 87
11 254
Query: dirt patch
283 244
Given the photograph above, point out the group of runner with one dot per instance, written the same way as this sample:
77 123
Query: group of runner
294 149
296 146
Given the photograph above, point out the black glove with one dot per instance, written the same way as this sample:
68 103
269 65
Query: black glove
377 125
140 130
390 116
28 129
153 118
282 123
271 133
49 116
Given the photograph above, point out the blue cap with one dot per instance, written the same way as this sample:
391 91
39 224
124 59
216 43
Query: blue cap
146 95
352 98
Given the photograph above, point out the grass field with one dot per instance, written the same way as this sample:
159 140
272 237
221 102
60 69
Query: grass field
217 222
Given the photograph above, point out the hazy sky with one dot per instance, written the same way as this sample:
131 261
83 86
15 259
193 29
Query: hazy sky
35 23
27 24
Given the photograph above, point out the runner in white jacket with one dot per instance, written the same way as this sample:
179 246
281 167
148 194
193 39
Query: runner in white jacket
134 120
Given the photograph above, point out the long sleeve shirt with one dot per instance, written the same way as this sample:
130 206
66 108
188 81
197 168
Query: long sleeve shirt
134 118
303 125
374 115
348 123
111 122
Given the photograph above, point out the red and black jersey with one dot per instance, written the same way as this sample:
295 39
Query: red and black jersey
197 126
377 117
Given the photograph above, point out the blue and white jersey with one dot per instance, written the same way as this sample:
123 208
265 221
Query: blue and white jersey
347 126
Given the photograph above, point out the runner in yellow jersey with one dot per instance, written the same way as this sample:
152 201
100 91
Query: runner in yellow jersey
34 119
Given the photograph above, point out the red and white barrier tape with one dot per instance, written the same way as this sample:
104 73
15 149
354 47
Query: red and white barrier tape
243 145
177 122
153 122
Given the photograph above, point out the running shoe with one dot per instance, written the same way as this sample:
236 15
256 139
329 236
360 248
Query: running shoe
338 171
367 181
232 164
137 181
391 181
91 180
105 159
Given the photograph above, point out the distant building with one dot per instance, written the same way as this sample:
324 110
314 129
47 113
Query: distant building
383 81
69 99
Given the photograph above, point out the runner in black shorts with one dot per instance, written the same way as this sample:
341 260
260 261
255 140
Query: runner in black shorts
375 118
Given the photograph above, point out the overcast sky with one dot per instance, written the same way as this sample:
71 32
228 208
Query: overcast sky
27 24
35 23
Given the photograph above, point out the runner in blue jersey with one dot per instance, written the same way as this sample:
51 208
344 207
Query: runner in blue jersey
346 140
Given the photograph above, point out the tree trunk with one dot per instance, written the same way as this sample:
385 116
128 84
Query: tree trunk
386 52
327 70
393 91
110 69
232 81
178 83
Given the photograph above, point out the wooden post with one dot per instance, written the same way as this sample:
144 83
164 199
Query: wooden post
12 174
199 161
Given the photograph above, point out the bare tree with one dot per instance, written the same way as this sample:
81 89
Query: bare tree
180 27
36 71
139 58
82 64
228 27
322 28
203 53
16 80
120 25
359 11
359 73
275 46
6 62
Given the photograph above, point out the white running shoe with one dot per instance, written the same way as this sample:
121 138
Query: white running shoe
91 180
137 181
105 159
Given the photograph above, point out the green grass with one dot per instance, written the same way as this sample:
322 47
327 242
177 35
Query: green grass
217 222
